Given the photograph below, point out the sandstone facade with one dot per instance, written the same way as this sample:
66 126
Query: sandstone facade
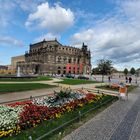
51 57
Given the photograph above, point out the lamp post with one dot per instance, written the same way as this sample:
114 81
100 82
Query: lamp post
101 71
136 78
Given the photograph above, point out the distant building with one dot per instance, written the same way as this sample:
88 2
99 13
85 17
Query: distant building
51 57
9 67
16 59
138 72
2 67
5 69
118 74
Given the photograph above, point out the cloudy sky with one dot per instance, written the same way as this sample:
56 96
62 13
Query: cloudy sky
111 28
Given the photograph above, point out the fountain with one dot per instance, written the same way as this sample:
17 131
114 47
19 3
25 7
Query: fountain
18 75
18 72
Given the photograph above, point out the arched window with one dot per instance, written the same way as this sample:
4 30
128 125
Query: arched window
69 60
74 60
78 60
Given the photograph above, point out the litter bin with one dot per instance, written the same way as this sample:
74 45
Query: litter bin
123 91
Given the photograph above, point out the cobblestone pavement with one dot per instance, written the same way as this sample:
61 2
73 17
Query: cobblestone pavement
120 121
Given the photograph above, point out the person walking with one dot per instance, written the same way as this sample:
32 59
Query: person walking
126 79
109 79
130 79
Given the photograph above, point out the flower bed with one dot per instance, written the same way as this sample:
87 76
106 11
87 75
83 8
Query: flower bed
115 87
20 116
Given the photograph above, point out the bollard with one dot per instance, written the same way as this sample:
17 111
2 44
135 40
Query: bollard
79 115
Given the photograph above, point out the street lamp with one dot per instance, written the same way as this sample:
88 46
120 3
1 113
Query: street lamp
101 71
136 78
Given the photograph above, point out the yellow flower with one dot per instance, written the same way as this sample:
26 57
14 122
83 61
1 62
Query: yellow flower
81 105
9 132
68 108
58 115
90 101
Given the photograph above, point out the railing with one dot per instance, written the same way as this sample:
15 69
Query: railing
102 91
79 116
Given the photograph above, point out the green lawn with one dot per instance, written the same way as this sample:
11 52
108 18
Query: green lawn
49 125
39 78
107 87
4 88
76 81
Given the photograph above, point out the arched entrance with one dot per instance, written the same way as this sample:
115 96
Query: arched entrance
59 70
36 69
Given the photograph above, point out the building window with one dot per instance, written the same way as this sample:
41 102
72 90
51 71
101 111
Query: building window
78 61
59 59
65 59
70 60
64 72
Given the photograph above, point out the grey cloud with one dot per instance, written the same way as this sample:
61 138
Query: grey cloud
115 37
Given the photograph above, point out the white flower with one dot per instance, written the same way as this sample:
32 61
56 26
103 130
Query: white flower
9 116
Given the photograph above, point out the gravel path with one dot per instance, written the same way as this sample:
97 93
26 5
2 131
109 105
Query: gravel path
15 96
120 121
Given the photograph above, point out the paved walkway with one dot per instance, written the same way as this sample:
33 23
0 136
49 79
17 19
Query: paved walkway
120 121
50 82
15 96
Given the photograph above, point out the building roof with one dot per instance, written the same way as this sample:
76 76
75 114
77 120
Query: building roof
45 41
51 42
19 56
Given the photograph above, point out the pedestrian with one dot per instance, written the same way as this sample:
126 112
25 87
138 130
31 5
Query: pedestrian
130 79
109 79
126 79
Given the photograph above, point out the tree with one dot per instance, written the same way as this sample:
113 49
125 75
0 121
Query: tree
132 71
95 71
125 71
105 67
